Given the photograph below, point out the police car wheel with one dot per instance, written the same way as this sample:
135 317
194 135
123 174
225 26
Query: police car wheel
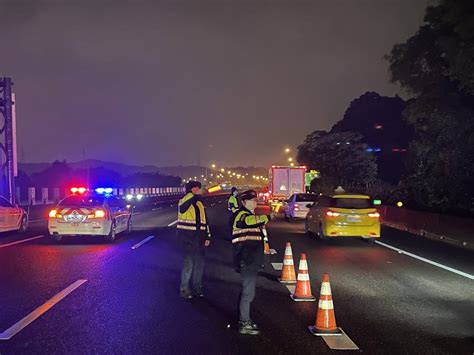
111 236
23 225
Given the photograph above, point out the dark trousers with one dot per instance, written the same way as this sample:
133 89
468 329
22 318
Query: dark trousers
193 263
249 279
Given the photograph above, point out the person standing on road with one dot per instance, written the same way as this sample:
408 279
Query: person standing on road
193 230
248 251
232 206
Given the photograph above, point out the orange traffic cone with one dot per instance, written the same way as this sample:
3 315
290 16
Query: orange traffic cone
288 275
267 248
325 318
303 285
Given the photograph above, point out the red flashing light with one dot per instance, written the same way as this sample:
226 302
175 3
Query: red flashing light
78 190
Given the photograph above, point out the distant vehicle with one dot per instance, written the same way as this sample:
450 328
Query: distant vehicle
95 213
344 215
286 181
297 205
12 217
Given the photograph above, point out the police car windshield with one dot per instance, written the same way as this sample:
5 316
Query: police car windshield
306 198
82 201
351 203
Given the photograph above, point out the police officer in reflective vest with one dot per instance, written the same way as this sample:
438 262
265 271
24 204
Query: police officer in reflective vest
248 250
193 229
232 206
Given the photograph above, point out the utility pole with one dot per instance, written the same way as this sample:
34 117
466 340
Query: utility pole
8 129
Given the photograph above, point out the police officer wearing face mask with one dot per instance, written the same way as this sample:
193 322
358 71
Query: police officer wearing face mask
248 250
193 230
232 206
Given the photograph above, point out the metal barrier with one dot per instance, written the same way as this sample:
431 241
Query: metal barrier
43 196
451 229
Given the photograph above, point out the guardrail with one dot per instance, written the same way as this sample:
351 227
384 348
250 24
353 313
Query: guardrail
44 196
450 229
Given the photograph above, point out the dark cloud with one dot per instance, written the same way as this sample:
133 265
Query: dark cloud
153 82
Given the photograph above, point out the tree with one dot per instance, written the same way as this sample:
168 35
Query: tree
152 180
380 121
59 174
436 65
341 158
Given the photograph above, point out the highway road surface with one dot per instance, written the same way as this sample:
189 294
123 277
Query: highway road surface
407 295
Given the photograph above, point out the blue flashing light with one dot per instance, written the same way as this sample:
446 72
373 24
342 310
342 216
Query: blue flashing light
104 190
370 150
377 150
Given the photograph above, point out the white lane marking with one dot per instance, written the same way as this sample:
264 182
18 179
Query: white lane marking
341 342
172 223
37 220
291 288
20 325
135 213
277 266
400 251
20 241
147 239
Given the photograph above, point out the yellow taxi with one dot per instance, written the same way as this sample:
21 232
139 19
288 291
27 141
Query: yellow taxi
344 215
12 217
96 213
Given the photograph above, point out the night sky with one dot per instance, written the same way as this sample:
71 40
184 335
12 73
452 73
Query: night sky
154 82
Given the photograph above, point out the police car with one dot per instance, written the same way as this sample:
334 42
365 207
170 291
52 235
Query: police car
96 213
12 217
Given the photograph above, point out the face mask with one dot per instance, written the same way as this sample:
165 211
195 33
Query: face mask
251 205
236 193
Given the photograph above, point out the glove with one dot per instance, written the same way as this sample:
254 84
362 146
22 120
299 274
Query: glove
263 219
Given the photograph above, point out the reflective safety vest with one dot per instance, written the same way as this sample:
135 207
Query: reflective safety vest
232 204
187 220
252 232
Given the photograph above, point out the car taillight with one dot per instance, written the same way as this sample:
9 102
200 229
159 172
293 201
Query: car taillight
53 213
296 208
374 215
332 214
99 214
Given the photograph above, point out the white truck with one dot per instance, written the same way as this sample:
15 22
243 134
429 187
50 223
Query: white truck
285 181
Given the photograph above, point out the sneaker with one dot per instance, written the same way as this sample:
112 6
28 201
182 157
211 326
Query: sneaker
185 294
248 328
254 325
198 292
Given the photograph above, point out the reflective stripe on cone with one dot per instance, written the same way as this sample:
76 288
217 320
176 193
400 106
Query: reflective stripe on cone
288 274
303 285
